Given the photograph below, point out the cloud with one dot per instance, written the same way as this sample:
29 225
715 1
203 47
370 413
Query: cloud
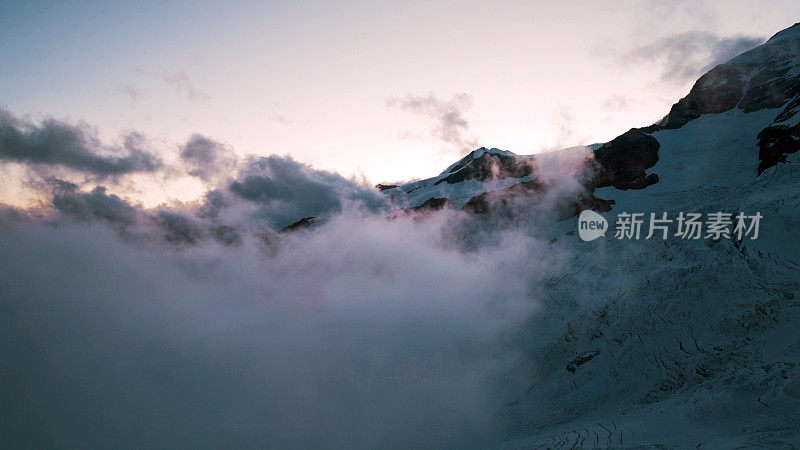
616 102
195 326
96 205
447 119
129 90
180 227
684 57
562 122
364 333
207 158
185 86
76 147
283 190
266 193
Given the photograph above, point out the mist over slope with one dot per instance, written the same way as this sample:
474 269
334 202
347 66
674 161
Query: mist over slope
389 337
458 311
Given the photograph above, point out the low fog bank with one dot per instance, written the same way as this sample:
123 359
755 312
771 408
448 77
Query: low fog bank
207 324
362 332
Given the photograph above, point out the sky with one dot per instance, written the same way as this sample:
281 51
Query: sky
380 91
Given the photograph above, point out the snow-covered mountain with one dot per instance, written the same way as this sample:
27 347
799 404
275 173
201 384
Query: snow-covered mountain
641 338
480 171
739 119
705 340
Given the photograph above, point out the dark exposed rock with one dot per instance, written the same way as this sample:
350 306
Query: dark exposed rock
585 200
581 359
771 87
639 183
789 111
487 167
432 204
775 142
305 222
482 203
778 140
761 79
623 161
507 202
384 187
719 90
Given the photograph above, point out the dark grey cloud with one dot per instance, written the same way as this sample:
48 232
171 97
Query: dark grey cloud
76 147
448 122
268 193
207 158
179 228
285 190
685 56
96 205
174 226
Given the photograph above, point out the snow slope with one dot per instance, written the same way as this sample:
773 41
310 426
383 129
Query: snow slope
695 341
679 343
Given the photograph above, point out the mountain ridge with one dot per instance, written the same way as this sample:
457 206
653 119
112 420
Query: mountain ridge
766 77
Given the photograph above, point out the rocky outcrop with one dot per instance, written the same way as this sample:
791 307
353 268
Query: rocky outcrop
305 222
717 91
581 359
775 143
483 203
623 161
764 77
780 138
487 166
432 204
772 86
521 196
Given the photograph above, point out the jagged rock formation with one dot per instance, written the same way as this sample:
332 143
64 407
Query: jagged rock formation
623 161
305 222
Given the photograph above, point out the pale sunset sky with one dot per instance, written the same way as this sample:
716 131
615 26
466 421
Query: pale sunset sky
387 91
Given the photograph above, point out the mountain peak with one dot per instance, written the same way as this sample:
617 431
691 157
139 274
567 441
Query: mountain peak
473 155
